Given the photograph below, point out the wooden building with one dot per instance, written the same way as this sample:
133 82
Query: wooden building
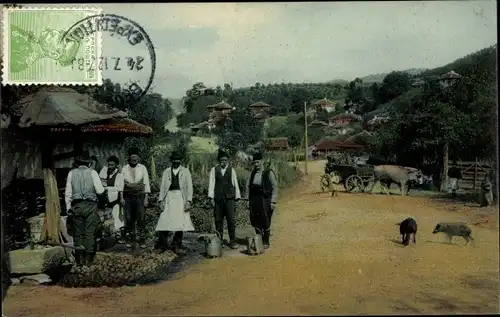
54 125
276 144
325 104
260 109
325 146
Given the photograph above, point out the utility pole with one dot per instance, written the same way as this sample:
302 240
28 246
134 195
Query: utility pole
305 137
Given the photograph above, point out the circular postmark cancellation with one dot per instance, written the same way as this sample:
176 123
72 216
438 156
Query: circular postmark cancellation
130 63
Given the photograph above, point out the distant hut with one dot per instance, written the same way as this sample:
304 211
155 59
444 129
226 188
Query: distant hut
318 124
276 144
219 111
56 124
344 119
361 138
260 109
325 104
449 78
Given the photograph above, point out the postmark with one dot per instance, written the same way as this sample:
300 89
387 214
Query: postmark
128 58
33 52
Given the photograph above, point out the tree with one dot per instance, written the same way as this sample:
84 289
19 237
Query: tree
393 85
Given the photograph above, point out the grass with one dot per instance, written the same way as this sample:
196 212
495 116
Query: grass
203 145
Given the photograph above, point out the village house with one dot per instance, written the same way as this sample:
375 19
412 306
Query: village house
341 122
325 104
260 110
218 112
55 124
276 144
449 78
326 146
376 121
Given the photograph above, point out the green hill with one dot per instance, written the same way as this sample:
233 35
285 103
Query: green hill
378 78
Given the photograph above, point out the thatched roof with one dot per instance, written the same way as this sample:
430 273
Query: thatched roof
275 143
324 103
260 104
54 106
347 115
317 123
360 138
119 125
329 144
451 75
221 106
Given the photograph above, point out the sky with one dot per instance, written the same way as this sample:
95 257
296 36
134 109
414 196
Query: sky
245 43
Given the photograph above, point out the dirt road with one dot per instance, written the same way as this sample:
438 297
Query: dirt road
329 256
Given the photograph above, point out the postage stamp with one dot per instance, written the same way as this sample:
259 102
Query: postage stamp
33 50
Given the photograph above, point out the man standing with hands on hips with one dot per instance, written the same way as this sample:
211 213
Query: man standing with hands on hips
224 192
262 194
135 193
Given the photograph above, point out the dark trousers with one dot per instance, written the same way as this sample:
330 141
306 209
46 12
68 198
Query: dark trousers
225 208
260 216
135 221
162 242
86 228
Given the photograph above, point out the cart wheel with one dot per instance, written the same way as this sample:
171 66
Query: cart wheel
354 183
325 182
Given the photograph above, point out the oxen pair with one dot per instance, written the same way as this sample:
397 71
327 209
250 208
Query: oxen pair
404 177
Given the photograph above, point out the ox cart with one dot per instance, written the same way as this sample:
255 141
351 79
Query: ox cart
355 178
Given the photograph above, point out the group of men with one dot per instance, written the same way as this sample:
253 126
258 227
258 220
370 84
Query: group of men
123 195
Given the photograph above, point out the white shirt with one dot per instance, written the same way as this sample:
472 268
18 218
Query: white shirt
69 189
137 174
118 180
234 181
176 170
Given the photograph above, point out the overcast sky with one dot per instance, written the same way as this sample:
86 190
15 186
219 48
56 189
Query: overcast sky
245 43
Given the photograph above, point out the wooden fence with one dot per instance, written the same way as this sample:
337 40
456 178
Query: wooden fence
473 174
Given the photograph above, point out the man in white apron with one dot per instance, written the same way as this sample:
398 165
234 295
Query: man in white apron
176 195
113 180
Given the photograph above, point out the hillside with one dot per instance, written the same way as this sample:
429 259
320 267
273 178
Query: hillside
378 78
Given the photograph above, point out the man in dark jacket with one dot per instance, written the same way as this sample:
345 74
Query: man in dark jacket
262 195
224 192
83 186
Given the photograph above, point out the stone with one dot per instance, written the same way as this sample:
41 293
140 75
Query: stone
36 261
36 227
15 281
36 279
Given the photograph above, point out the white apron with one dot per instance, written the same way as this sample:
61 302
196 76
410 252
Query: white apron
118 217
173 217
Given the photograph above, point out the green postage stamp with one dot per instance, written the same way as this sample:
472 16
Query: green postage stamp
34 51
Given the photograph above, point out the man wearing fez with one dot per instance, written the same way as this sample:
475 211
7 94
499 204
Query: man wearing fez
262 194
112 179
176 195
136 189
224 191
83 186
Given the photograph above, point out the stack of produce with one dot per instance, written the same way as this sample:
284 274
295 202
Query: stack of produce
119 269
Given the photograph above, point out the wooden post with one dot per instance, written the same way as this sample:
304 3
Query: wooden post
51 230
305 137
475 174
444 178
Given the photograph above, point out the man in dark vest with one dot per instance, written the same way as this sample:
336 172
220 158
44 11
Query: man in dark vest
83 186
262 195
224 192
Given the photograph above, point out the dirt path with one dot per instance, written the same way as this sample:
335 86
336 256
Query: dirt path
329 256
